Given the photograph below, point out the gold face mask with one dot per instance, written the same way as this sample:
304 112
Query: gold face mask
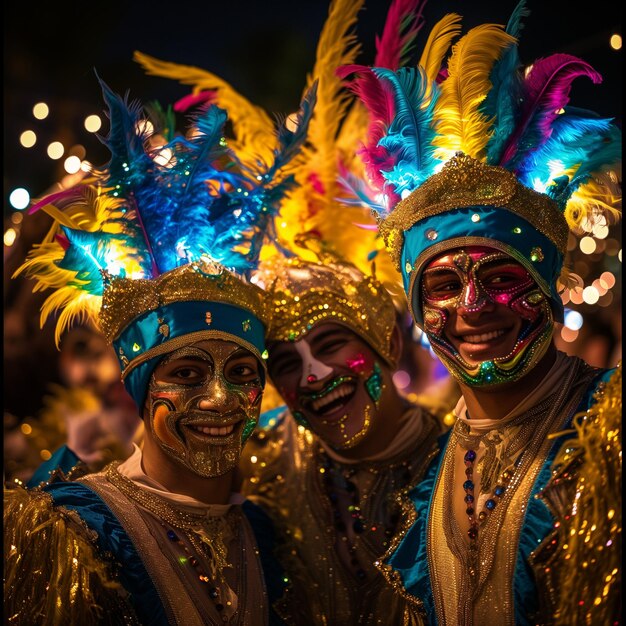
203 402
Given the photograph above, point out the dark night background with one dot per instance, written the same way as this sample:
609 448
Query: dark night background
263 48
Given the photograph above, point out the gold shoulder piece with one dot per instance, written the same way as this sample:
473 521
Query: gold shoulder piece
52 572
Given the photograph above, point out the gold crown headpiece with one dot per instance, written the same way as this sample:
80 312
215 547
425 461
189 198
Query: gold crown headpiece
302 294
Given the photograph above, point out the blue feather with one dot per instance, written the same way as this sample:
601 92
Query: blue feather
409 137
579 140
124 143
502 101
90 253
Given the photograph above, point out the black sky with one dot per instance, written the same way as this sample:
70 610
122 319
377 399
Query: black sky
263 48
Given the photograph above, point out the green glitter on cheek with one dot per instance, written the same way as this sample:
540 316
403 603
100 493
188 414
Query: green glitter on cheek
301 420
248 429
374 384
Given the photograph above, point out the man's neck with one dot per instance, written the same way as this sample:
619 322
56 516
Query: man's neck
496 402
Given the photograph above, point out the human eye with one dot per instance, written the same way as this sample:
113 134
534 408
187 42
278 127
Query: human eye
183 372
331 345
242 370
285 365
504 276
442 285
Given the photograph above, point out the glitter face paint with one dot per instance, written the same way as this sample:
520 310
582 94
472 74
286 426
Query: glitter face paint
485 316
331 381
203 402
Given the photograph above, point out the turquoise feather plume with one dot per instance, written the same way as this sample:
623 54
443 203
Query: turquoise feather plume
501 103
408 140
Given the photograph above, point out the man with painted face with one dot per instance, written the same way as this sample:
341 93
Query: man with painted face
160 538
478 226
330 468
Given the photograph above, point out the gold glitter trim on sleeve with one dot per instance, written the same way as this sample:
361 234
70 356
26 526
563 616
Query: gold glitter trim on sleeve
52 572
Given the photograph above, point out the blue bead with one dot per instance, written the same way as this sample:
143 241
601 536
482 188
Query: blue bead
470 456
172 536
490 504
499 490
468 485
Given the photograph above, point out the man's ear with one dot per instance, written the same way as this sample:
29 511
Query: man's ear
395 344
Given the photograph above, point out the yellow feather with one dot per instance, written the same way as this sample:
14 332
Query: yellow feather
438 43
337 46
598 197
254 129
460 124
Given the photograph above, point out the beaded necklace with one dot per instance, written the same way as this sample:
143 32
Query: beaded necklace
511 452
211 542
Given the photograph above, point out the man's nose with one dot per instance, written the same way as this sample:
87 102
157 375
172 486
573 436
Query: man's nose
474 299
312 371
216 396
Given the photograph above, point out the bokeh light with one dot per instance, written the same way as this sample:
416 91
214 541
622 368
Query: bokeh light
573 319
590 295
401 379
28 138
55 150
587 245
72 164
19 198
41 111
10 236
93 123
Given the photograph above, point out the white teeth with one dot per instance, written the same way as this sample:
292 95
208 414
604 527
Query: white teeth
335 394
215 431
482 338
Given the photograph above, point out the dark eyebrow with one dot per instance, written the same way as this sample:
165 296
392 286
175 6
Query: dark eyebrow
328 334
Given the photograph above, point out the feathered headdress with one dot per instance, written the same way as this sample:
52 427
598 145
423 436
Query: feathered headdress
171 224
324 235
477 149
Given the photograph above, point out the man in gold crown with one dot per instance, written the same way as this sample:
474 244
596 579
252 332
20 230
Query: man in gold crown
157 252
485 169
330 469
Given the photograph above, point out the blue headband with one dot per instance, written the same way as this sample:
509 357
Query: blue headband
149 337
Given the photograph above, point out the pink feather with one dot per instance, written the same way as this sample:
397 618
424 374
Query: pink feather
546 90
185 103
403 15
72 193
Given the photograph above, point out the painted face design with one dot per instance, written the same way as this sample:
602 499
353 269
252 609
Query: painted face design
203 402
331 381
485 315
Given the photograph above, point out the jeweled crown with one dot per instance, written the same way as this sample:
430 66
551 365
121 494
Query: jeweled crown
303 294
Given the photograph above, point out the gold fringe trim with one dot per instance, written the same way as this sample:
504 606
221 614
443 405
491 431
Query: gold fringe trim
52 573
588 578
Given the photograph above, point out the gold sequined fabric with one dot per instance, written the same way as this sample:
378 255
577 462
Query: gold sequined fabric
53 574
583 557
126 299
465 182
477 586
287 480
302 294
